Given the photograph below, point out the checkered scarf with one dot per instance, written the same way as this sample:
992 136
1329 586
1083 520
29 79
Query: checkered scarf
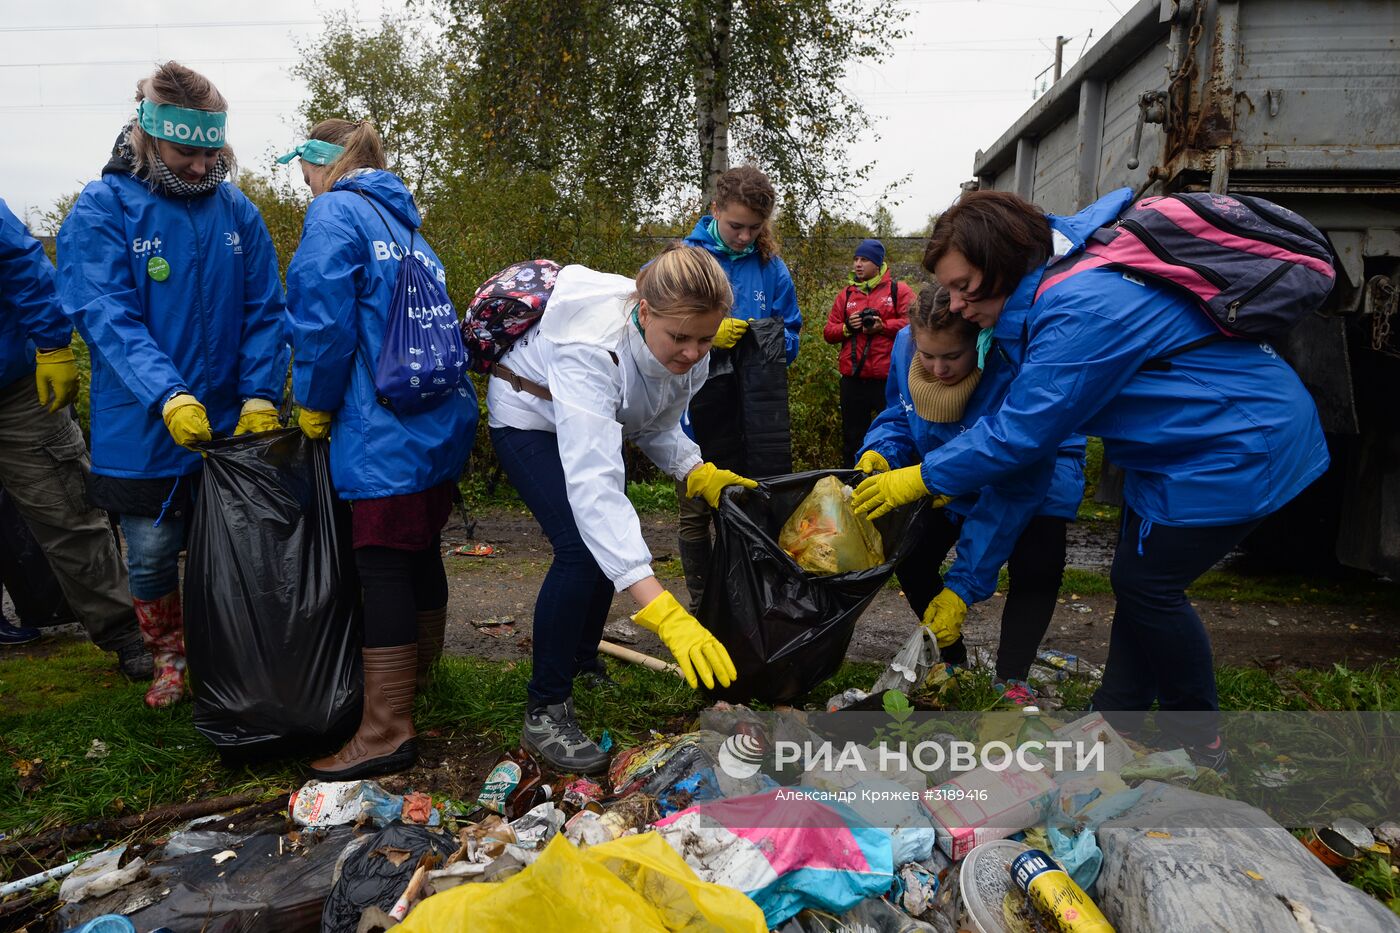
171 184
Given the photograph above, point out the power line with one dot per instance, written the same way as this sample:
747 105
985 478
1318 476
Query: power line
147 61
216 25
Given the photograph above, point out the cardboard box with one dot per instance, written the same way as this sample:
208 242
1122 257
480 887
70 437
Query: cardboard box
981 805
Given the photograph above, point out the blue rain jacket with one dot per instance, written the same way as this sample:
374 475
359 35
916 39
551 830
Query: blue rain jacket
212 327
30 313
339 287
1227 435
761 289
993 520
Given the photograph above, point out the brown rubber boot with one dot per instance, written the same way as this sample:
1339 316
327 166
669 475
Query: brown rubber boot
162 624
432 627
384 742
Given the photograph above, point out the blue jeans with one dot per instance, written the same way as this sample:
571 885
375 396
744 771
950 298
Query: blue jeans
153 554
573 602
1158 649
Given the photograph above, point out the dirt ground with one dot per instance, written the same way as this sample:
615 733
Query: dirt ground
485 592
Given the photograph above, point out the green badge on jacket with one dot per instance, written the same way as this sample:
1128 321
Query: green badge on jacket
157 268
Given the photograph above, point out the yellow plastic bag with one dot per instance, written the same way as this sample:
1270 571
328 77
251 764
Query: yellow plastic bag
636 883
824 535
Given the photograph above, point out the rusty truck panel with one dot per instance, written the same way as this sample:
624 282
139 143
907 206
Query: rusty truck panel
1297 101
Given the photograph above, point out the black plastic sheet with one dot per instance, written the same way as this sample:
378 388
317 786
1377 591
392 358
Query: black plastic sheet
272 620
787 630
368 878
740 416
269 887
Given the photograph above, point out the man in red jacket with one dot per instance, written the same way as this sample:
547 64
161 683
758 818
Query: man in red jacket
864 319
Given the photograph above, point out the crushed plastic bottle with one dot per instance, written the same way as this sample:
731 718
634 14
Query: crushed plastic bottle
514 786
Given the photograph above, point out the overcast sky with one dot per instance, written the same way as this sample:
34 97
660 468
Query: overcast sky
68 70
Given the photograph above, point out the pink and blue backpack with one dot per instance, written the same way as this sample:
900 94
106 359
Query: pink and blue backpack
1256 268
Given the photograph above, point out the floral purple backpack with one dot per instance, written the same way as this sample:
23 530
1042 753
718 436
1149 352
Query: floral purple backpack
506 306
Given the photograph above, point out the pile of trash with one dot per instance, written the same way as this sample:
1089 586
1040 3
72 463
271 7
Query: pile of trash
762 821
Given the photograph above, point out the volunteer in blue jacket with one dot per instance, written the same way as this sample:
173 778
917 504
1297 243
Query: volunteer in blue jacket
936 391
738 232
43 459
397 469
170 276
1210 445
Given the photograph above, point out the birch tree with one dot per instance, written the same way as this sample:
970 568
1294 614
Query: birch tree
653 99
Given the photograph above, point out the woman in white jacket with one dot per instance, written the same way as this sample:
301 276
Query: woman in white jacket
611 360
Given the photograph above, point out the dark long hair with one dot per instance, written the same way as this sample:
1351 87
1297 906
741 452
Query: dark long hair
1003 235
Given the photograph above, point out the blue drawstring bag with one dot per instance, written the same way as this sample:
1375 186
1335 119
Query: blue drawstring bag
423 361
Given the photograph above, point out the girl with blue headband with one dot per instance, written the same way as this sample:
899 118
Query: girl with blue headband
170 276
397 468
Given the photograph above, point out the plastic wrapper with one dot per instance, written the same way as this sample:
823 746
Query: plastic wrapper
331 803
785 629
272 624
846 698
631 885
680 771
911 664
586 829
829 858
825 535
538 826
101 874
915 889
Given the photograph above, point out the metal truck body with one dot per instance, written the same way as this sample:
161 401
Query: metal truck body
1297 101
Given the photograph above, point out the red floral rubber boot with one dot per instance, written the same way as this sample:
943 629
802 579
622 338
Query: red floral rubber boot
162 625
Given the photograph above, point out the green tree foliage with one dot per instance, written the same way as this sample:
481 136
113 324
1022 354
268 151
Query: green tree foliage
47 222
282 209
643 100
570 130
882 222
393 76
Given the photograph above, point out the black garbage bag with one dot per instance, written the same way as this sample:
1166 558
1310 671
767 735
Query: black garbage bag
272 617
740 416
369 878
787 630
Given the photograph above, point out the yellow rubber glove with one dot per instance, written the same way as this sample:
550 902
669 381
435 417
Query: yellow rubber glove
871 463
731 329
698 653
56 375
885 492
708 480
944 617
314 424
258 415
186 420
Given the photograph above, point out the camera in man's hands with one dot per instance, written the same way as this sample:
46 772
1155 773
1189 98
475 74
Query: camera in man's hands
869 318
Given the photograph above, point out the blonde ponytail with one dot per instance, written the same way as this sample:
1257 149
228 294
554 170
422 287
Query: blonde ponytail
363 147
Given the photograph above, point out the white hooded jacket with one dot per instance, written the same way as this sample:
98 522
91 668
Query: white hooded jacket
599 403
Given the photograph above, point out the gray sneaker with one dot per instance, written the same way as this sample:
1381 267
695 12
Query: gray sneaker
553 735
135 662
